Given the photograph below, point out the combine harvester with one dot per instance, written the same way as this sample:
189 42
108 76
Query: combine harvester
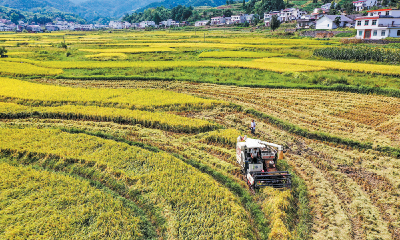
258 161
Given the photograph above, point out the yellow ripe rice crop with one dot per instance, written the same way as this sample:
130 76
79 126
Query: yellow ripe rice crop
44 205
344 66
270 66
17 69
107 56
275 204
18 53
160 65
6 45
149 119
130 50
139 98
273 41
196 206
224 136
238 54
202 45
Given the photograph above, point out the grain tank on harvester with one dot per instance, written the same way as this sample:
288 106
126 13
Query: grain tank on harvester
258 161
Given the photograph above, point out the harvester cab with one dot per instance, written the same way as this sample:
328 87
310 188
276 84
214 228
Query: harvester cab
258 161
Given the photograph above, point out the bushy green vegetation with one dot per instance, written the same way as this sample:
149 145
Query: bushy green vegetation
360 53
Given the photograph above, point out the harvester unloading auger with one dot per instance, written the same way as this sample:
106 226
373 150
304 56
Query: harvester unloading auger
258 161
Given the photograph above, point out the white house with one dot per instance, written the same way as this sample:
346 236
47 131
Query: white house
126 25
218 21
2 27
238 18
116 25
306 21
378 24
145 24
249 18
364 4
86 27
168 23
228 20
268 16
290 14
284 15
201 23
34 28
327 22
52 27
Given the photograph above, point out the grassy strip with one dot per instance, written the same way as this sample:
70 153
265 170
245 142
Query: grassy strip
147 229
87 171
117 78
302 216
291 128
389 92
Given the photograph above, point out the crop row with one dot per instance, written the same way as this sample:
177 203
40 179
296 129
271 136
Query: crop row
132 98
130 50
159 120
197 206
343 66
223 136
237 54
107 56
39 204
162 65
25 69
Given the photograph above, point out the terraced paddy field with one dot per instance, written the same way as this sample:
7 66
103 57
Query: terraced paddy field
132 135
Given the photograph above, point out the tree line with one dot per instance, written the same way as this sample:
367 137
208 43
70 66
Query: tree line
182 13
45 17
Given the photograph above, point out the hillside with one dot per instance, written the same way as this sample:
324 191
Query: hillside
194 3
27 5
110 8
89 10
42 15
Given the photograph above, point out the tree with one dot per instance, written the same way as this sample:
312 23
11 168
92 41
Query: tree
337 21
274 22
14 18
3 51
227 13
263 6
244 4
156 18
349 8
332 10
315 1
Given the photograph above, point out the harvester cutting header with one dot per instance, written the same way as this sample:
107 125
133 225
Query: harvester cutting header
258 161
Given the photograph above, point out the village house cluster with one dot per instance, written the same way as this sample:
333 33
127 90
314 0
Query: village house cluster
58 25
221 20
378 24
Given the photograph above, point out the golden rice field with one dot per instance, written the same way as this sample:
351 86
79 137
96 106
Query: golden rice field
129 50
132 134
133 98
160 120
236 54
107 56
63 207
